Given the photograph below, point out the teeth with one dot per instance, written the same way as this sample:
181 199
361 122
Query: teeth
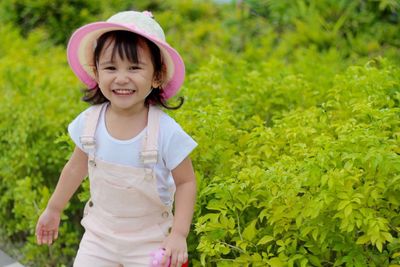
124 91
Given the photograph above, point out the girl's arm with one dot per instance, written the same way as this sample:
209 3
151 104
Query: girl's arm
71 177
185 197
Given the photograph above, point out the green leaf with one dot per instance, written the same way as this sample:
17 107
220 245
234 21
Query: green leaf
217 205
315 233
304 262
265 239
395 255
342 204
348 210
275 262
280 243
388 237
363 239
378 245
250 231
315 261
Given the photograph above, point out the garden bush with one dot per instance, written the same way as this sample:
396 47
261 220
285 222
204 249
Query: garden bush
39 97
319 187
298 159
60 18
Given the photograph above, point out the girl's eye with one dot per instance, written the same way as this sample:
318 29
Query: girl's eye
134 68
109 68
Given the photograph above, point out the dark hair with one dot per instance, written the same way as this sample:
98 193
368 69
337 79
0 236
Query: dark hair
125 44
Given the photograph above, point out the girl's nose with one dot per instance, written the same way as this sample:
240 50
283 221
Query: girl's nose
121 78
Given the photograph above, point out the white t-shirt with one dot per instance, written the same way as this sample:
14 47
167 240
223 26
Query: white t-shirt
174 145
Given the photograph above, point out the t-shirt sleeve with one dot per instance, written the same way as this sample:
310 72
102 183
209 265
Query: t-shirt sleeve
178 145
75 129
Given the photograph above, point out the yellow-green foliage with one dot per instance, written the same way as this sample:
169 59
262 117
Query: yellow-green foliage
317 184
39 96
296 111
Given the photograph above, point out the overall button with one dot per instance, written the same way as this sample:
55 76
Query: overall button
165 214
148 176
90 203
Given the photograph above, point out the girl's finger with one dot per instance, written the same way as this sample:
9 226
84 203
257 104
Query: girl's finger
51 234
48 237
38 233
167 254
44 238
174 260
180 259
39 237
55 235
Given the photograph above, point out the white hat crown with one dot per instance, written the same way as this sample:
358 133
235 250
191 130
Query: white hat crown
141 20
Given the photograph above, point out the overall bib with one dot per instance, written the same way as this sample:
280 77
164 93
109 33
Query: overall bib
125 219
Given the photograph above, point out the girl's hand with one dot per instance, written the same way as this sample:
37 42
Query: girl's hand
176 248
47 227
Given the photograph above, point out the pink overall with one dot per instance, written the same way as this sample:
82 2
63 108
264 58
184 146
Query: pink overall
125 219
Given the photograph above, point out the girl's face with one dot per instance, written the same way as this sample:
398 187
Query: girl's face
125 84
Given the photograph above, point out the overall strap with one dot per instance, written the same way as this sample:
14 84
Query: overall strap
149 154
91 119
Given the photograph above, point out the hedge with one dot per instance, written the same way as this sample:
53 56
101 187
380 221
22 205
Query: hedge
298 157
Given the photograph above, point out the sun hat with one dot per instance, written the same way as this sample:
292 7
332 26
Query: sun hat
80 50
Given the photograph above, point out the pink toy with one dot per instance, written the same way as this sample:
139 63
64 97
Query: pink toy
156 257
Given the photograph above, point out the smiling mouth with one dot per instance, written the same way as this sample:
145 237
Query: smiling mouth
123 91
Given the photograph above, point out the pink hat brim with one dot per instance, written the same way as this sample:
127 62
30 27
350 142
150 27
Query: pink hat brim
82 43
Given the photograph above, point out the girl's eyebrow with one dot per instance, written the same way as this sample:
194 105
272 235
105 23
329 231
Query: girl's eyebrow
112 62
106 63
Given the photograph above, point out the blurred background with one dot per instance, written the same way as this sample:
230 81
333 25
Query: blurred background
294 104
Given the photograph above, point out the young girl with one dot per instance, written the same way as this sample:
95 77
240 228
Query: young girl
136 156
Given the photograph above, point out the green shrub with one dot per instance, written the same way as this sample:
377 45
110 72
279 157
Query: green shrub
38 95
342 24
298 132
59 18
319 187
